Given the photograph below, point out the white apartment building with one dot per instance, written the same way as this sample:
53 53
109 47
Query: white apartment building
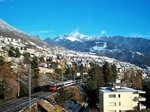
120 99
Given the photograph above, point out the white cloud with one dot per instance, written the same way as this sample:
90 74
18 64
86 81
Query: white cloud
136 35
42 32
77 29
103 32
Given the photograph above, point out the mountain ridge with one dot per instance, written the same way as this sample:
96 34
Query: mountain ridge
134 50
7 30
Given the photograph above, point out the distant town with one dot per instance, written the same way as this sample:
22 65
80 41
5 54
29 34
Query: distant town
55 79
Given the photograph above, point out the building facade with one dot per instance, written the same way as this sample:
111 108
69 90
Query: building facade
120 99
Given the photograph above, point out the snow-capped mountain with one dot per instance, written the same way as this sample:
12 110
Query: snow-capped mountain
134 50
75 36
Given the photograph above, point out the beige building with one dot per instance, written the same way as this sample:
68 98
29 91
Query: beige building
43 70
120 99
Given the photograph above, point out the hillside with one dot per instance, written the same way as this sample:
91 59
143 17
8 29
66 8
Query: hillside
9 31
133 50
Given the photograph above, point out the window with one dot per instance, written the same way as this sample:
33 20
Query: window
118 95
112 103
112 110
119 103
122 110
112 96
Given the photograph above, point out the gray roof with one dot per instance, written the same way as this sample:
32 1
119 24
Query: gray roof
121 89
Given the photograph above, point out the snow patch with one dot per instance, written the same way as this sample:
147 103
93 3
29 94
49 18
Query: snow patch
76 36
99 48
140 53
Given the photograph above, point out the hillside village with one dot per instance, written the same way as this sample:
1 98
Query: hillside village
57 54
50 63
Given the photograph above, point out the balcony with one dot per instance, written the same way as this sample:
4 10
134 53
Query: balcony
142 98
141 106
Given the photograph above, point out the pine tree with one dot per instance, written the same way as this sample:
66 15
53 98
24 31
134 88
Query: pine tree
26 57
1 61
18 54
97 75
114 72
35 71
9 82
138 80
91 84
108 75
12 52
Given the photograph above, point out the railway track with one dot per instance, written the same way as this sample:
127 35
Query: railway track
18 104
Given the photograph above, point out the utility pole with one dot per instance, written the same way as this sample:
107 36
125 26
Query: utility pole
70 75
74 76
62 76
18 73
62 67
30 85
18 84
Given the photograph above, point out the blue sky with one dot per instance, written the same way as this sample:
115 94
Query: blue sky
49 18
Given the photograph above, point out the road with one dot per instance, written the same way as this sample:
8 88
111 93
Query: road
18 104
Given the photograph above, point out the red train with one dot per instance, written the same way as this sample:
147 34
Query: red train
54 87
